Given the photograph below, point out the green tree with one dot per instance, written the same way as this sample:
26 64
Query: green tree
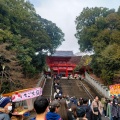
86 23
24 33
98 30
55 33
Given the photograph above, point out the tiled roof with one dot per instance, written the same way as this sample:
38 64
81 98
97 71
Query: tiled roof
63 53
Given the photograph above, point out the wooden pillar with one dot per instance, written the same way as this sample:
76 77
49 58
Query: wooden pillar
58 70
66 75
72 71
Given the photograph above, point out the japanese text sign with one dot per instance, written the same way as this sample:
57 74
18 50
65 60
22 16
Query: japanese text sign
27 94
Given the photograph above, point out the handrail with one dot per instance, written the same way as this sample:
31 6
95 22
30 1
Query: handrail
87 91
42 84
51 89
38 84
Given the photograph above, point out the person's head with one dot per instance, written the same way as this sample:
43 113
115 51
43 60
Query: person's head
110 100
56 97
96 98
63 109
41 105
85 101
80 112
5 102
54 106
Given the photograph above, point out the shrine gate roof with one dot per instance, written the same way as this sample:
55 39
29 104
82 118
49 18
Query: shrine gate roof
63 53
73 59
63 56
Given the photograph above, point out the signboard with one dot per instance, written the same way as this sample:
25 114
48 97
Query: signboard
20 96
114 89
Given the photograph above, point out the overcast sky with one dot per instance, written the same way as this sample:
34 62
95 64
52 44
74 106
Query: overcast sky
64 12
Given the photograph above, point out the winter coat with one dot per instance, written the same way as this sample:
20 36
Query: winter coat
109 110
87 110
53 116
99 105
119 111
114 111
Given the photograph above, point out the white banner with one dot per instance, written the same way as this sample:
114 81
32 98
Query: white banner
27 94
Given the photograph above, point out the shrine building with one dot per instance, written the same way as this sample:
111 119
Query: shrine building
62 62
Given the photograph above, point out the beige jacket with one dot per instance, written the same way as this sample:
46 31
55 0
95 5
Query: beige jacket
99 105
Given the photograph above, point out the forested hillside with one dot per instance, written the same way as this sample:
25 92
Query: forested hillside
98 30
23 33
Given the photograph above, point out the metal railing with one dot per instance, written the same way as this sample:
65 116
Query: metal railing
86 90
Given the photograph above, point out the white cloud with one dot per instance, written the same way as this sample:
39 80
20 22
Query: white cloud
64 12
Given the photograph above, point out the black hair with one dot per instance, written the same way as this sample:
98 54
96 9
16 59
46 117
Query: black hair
40 104
85 101
80 112
52 108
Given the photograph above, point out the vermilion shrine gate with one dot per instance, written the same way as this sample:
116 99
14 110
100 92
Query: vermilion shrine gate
63 62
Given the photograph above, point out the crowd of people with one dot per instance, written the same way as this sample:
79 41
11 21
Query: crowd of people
63 107
57 89
71 108
68 108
